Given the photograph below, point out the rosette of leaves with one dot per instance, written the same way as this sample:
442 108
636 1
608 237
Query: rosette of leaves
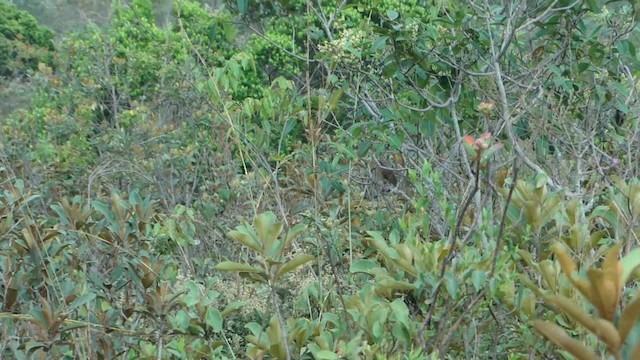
264 238
268 266
614 325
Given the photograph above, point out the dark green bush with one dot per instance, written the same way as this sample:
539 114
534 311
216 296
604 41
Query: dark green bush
23 42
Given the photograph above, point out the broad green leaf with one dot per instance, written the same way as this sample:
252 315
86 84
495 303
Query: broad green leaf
630 263
232 308
326 355
268 229
379 43
478 277
275 336
234 266
193 295
180 321
103 208
540 180
294 263
379 243
389 69
293 233
400 311
245 239
363 266
390 283
401 332
214 319
61 214
452 285
255 328
392 14
377 330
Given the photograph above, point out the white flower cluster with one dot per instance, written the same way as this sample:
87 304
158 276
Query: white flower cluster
346 48
413 30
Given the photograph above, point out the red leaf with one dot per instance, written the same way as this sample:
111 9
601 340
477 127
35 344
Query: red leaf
469 140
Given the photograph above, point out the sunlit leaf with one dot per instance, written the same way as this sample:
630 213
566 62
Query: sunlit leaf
326 355
245 239
234 266
268 229
567 265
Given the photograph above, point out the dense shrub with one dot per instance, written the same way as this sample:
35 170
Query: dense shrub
359 180
23 42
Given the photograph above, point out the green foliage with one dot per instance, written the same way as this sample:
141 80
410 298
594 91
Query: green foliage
23 42
400 233
103 274
603 290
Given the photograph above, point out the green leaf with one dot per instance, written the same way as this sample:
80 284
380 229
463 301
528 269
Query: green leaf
363 266
389 283
33 346
389 69
326 355
583 66
232 308
234 266
540 180
193 296
81 301
392 14
363 148
214 319
255 328
379 243
294 263
630 263
181 320
400 311
451 283
379 43
103 208
293 233
268 229
245 239
478 278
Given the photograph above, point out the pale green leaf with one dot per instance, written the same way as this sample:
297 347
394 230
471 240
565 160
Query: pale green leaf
268 229
630 263
478 277
293 233
326 355
234 266
245 239
214 319
294 263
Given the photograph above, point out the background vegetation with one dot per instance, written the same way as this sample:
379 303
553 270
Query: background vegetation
371 179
